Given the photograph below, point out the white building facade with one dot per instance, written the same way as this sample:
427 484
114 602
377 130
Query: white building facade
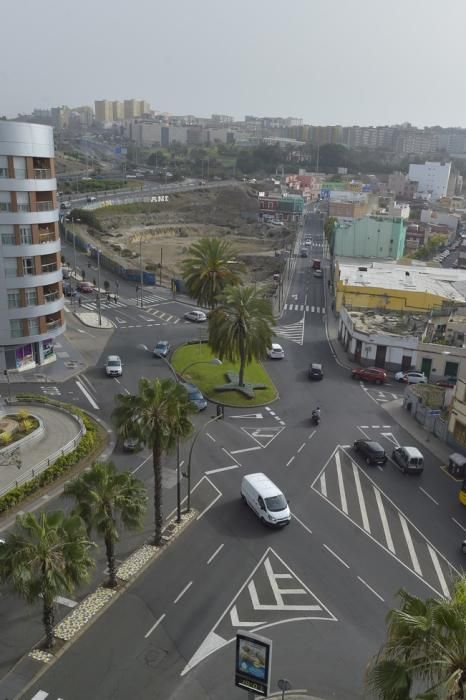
31 288
432 178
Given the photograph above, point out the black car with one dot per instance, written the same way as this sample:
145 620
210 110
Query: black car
372 451
316 371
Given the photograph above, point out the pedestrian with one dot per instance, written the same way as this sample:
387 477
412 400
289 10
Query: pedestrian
115 298
108 297
137 289
79 300
333 305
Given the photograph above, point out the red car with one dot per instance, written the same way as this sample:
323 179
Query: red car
370 374
85 288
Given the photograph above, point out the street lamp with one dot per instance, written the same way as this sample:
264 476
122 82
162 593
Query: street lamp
187 474
99 310
141 272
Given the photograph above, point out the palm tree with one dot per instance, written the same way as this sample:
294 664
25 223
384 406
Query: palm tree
104 497
46 556
240 327
425 648
209 267
158 417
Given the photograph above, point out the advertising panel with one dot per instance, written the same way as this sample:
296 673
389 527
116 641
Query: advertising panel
253 663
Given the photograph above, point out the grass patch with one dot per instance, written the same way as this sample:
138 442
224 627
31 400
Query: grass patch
207 377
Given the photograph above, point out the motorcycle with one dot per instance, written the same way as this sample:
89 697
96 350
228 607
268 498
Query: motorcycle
315 417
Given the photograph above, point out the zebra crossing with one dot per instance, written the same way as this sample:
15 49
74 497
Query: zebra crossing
292 331
351 491
304 307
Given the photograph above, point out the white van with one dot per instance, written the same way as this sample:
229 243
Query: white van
265 499
409 459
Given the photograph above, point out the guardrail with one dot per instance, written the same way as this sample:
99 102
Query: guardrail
48 461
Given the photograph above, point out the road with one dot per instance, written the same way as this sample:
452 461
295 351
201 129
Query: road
321 587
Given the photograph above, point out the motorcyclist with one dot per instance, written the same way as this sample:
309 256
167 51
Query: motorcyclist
316 413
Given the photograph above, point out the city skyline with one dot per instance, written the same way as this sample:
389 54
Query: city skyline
327 65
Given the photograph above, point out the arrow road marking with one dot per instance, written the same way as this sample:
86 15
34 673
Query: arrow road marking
121 320
249 415
264 436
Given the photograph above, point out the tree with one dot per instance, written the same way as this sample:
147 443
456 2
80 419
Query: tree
425 648
103 498
240 327
46 556
210 266
158 416
329 231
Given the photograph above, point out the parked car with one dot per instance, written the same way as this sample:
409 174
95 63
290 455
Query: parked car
409 459
162 348
195 316
91 199
85 287
195 396
131 444
317 273
316 264
411 377
308 242
303 253
316 371
113 366
372 451
276 352
446 382
370 374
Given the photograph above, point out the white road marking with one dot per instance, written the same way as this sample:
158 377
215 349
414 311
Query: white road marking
362 505
336 556
364 432
302 447
323 484
86 394
249 415
386 426
180 595
290 460
277 593
370 589
40 695
65 601
154 626
409 542
311 435
246 449
308 529
438 571
210 436
375 426
459 524
222 469
383 517
341 485
428 495
207 508
312 309
230 455
364 426
141 465
212 557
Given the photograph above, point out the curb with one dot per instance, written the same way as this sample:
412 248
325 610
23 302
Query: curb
110 327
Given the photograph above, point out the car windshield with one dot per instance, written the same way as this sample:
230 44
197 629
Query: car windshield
195 396
375 447
113 363
275 503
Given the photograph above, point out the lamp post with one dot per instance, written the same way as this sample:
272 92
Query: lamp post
99 310
187 474
141 273
177 377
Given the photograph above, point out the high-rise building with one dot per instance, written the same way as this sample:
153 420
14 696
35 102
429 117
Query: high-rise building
31 293
135 108
118 111
432 178
103 111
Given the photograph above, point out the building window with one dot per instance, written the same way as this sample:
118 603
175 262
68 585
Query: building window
34 327
5 201
26 234
8 235
451 369
31 297
14 299
3 166
16 328
22 201
28 266
9 267
20 167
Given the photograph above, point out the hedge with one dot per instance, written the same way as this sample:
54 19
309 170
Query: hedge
62 464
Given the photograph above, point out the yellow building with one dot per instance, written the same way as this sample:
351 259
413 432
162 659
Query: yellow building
103 111
387 286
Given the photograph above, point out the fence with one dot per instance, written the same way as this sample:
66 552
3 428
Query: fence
48 461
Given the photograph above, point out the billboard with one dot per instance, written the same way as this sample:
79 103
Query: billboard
253 662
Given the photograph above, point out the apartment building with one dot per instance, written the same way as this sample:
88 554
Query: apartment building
31 294
432 178
103 111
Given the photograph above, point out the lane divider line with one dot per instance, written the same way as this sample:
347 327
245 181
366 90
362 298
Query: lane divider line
154 626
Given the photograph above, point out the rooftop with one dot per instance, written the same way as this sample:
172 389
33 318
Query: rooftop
443 282
388 323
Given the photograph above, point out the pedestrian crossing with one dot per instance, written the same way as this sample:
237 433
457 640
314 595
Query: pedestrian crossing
350 490
305 307
293 331
144 313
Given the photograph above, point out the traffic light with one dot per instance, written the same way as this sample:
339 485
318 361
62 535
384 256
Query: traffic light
220 411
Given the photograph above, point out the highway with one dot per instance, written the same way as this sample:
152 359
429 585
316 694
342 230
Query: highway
321 587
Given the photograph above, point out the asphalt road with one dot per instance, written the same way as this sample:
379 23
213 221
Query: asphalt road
321 587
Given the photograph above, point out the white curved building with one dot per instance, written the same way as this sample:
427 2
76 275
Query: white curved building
31 288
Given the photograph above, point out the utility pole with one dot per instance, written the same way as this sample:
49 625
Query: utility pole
141 273
99 310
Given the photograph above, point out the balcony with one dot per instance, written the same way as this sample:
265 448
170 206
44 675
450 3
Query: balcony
5 206
49 267
42 173
52 322
47 236
45 206
51 296
23 207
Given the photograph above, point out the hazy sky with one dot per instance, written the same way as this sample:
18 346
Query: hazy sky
327 61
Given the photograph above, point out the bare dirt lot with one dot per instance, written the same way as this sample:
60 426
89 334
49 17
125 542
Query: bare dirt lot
164 231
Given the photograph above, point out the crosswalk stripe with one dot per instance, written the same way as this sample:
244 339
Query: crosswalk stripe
438 571
341 485
383 517
323 309
40 695
301 308
362 505
307 307
323 484
409 542
312 309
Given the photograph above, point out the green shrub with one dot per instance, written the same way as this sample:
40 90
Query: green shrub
61 465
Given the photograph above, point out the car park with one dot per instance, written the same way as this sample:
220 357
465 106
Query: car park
195 396
276 352
408 459
411 377
370 374
372 451
162 348
316 371
113 366
195 316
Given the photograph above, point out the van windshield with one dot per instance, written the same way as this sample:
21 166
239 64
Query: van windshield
275 503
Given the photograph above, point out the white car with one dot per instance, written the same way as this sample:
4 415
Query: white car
113 366
308 241
196 316
411 377
276 352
